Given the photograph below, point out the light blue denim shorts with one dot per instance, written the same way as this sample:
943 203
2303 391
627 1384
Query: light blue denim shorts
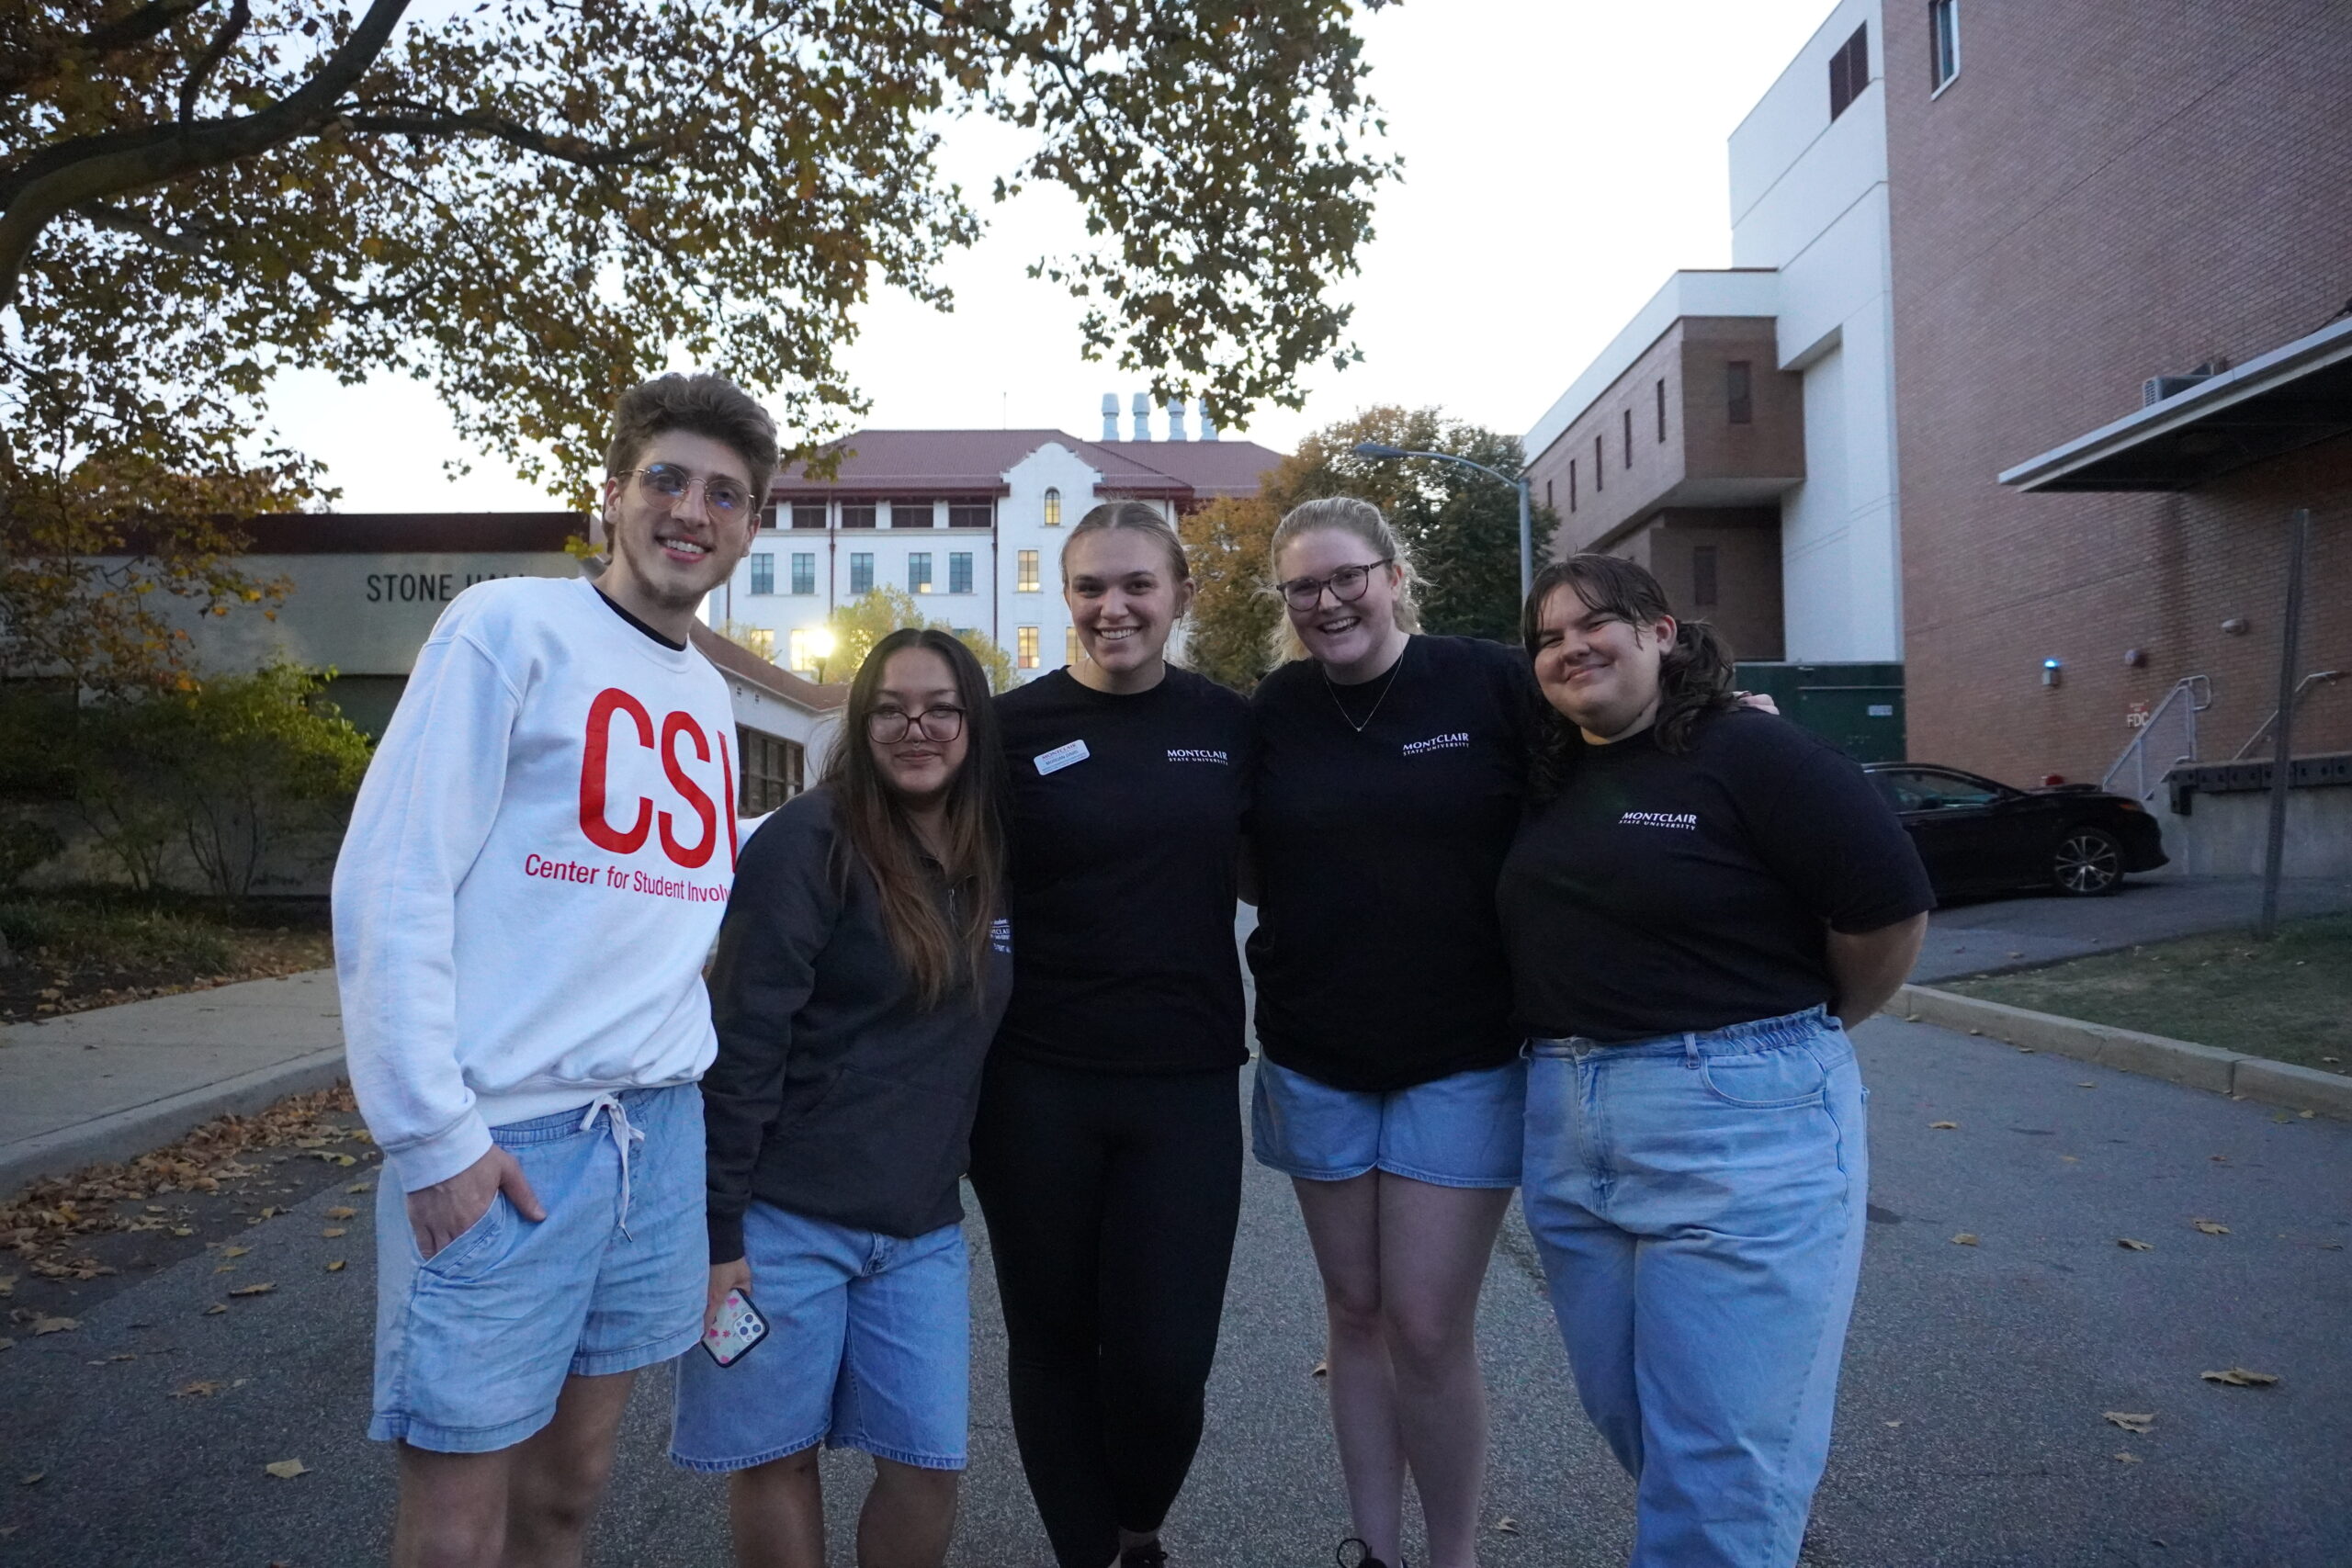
472 1345
1461 1130
869 1346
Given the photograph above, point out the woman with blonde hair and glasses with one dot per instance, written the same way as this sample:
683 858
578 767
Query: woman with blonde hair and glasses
1391 766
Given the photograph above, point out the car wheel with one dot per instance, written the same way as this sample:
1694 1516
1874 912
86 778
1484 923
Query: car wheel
2089 861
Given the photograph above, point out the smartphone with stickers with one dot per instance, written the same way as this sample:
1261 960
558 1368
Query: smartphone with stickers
736 1327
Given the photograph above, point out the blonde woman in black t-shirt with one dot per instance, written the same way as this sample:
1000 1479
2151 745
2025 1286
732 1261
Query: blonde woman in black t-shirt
1107 1157
1701 902
1390 770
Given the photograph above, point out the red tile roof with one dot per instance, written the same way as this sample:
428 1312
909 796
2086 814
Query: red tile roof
916 463
1211 468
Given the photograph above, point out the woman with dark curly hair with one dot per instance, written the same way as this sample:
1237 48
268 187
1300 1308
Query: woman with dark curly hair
1700 902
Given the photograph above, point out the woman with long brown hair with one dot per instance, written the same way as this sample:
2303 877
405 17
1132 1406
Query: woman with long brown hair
863 965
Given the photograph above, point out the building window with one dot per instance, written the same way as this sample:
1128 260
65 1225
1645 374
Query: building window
1053 509
797 652
1702 577
919 572
1661 411
1943 43
803 573
971 512
911 515
1025 647
1069 645
858 515
1629 438
763 573
808 514
1600 465
860 573
1547 495
959 572
1739 392
1572 484
1025 568
1850 70
767 516
772 770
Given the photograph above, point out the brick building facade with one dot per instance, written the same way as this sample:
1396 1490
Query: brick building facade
2055 247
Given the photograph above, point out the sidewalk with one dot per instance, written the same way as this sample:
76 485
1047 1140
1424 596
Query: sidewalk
114 1082
1983 936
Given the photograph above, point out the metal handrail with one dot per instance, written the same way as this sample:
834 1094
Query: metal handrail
2316 678
2199 693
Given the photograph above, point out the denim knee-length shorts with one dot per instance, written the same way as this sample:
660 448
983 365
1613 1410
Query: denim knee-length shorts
473 1343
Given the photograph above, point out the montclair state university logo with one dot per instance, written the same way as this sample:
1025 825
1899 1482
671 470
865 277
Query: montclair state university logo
1197 754
1458 740
1686 820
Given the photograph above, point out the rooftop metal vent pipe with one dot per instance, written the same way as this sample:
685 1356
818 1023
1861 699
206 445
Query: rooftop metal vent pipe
1110 416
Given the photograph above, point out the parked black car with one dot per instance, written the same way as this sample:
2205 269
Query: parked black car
1977 836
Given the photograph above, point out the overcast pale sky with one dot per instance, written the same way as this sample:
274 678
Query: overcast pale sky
1562 157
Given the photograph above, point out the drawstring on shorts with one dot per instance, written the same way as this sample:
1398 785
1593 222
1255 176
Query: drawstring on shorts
625 1136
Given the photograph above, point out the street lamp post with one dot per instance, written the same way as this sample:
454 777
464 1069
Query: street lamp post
1381 452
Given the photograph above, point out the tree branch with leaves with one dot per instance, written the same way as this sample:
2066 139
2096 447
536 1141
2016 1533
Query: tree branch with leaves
533 205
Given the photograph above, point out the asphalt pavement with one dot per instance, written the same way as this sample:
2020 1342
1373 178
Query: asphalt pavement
1972 1428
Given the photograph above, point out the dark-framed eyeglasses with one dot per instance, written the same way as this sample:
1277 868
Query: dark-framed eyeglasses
890 726
1346 584
671 483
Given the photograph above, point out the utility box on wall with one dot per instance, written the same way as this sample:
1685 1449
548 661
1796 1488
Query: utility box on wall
1856 707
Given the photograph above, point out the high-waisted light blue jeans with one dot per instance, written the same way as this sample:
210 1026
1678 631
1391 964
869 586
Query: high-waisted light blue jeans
1698 1204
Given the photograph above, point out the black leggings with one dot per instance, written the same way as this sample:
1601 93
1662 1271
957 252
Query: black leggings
1112 1200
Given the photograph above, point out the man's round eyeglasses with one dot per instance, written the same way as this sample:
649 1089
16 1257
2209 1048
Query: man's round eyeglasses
1346 584
672 482
891 725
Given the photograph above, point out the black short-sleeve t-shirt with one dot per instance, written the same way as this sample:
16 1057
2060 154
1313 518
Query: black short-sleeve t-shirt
1378 953
1662 892
1126 829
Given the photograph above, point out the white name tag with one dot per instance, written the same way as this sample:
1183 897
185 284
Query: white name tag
1061 757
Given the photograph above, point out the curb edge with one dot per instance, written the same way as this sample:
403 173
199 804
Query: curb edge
126 1135
2232 1073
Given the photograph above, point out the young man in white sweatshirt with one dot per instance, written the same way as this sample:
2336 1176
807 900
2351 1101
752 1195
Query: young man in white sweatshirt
535 871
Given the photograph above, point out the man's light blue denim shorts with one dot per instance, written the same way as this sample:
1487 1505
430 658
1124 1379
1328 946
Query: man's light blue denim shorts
869 1346
1466 1130
472 1345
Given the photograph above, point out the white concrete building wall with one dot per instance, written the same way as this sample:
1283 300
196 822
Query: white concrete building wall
997 606
364 614
1809 201
1022 523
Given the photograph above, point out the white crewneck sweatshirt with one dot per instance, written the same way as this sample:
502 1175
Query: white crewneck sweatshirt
535 871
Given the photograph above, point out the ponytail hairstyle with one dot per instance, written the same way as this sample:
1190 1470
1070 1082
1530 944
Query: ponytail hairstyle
1362 521
940 951
1143 519
1695 675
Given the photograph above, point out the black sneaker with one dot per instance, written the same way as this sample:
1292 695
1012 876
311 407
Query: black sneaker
1363 1557
1144 1554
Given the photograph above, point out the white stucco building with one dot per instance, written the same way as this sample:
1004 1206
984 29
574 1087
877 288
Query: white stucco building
968 523
1739 434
